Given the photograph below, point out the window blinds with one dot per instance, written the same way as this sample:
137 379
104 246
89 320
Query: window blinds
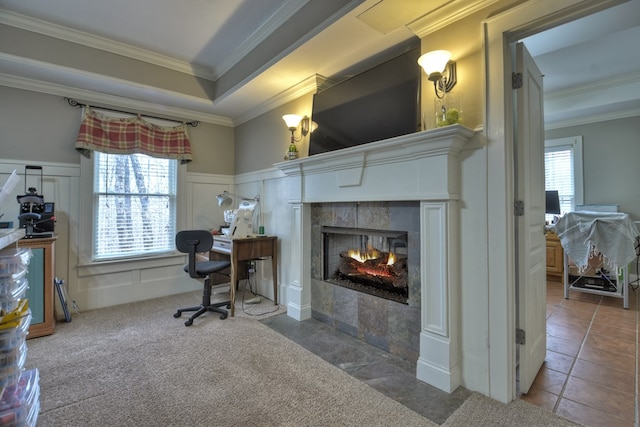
134 205
558 175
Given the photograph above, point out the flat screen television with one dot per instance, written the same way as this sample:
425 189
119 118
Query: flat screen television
552 203
380 103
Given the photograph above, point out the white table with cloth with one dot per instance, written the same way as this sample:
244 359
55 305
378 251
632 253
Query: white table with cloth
609 237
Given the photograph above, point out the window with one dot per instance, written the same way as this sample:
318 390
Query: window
134 205
563 171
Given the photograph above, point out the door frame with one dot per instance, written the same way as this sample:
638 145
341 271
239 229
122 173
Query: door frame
499 32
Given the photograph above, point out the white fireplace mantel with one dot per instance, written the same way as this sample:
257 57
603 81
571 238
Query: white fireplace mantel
423 166
418 166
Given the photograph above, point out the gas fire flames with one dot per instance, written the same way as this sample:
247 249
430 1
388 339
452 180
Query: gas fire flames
379 268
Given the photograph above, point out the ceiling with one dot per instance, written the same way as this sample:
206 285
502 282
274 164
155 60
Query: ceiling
260 54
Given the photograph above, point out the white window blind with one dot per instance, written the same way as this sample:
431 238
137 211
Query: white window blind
563 171
558 175
134 205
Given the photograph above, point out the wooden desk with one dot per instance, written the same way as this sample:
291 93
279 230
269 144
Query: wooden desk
555 256
246 249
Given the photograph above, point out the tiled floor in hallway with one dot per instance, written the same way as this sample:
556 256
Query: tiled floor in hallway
590 374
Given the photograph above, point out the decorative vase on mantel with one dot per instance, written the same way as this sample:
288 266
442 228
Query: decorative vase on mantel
291 153
448 109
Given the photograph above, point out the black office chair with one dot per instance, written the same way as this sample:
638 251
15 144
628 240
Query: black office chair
193 242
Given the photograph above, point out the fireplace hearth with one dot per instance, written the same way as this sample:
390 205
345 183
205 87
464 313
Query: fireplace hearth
367 260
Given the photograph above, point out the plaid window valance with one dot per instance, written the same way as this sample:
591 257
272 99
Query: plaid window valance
113 135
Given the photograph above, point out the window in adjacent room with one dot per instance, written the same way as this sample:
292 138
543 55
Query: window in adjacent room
563 171
134 205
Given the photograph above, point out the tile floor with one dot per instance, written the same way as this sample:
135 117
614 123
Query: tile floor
590 374
390 375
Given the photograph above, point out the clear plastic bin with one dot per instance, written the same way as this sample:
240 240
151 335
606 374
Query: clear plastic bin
16 274
10 375
12 260
14 337
20 403
11 357
10 301
13 289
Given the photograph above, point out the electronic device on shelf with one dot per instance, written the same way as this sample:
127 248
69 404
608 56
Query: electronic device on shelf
240 220
36 216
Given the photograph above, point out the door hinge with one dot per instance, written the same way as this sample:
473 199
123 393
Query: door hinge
520 336
518 208
516 80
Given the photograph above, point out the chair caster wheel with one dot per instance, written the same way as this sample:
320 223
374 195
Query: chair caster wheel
223 316
177 314
188 322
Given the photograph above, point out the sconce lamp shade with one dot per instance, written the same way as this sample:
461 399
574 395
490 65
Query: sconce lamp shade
434 63
295 120
292 120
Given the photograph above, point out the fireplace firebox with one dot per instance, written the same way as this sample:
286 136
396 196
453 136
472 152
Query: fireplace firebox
367 260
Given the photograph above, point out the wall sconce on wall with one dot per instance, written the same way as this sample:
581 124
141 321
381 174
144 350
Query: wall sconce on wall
292 121
440 70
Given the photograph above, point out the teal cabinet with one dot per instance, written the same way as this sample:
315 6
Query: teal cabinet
35 293
40 292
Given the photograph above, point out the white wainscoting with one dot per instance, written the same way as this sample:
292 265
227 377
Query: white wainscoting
95 285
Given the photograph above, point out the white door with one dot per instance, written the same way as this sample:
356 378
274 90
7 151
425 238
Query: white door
530 240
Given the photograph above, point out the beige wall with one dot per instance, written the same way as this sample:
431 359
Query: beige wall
213 149
610 152
42 128
261 142
37 127
464 40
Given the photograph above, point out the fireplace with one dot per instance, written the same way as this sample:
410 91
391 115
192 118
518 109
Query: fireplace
332 189
367 260
357 304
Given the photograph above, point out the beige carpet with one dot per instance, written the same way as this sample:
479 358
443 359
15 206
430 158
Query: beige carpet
136 365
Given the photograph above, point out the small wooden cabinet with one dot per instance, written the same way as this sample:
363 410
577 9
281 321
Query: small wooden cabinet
41 291
555 257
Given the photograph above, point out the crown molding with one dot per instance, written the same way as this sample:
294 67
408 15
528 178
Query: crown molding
275 21
593 118
102 43
102 99
626 81
308 85
596 98
446 15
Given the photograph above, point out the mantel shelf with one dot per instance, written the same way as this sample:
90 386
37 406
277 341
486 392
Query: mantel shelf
417 166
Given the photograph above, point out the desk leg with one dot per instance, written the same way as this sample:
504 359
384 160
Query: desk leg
274 269
232 283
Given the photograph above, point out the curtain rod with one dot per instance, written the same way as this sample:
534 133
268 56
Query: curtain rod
74 103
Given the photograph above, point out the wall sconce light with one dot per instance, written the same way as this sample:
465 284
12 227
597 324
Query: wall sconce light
292 121
440 70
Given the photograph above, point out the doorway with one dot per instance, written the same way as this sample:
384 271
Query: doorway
500 31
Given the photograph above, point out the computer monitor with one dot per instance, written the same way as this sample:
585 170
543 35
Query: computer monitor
552 203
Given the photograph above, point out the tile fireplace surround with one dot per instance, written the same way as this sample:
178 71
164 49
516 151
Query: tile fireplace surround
389 325
422 167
